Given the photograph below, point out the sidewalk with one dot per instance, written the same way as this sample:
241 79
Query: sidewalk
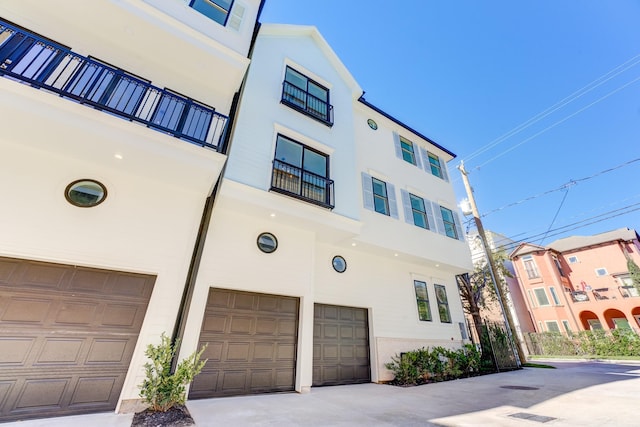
576 394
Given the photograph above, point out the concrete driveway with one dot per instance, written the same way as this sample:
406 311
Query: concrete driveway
574 394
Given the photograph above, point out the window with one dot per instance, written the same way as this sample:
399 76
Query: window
422 299
532 300
541 297
302 172
449 222
85 193
379 196
380 199
217 10
443 304
339 264
567 328
552 326
594 324
408 153
554 295
306 96
572 259
267 243
556 261
434 163
601 272
530 267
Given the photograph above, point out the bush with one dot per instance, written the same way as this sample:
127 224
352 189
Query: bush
439 364
162 389
596 343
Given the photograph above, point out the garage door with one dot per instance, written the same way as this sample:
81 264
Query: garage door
340 345
251 341
67 335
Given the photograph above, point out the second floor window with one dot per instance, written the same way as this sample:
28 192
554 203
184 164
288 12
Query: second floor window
417 211
306 96
449 222
216 10
380 198
301 171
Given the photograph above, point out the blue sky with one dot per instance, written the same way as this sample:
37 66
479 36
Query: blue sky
531 95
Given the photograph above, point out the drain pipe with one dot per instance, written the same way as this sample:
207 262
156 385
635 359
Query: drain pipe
194 266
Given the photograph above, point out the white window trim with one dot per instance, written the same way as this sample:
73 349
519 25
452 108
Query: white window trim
554 296
606 273
575 259
548 322
545 294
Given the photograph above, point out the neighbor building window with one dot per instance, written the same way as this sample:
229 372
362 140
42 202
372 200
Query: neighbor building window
541 296
530 267
422 299
572 259
556 261
301 171
601 272
554 295
306 96
567 328
443 304
552 326
217 10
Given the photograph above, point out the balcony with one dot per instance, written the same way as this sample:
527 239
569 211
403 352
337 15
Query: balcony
306 103
33 60
296 182
579 296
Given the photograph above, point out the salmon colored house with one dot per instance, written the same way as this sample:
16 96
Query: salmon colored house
580 282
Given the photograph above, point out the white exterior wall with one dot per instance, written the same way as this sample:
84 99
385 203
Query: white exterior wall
383 255
157 191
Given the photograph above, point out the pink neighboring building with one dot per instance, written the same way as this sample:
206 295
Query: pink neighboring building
580 282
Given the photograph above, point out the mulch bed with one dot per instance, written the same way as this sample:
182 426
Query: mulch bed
176 416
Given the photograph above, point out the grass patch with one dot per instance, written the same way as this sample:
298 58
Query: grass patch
537 365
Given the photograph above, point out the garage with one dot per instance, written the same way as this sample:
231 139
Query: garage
251 343
67 335
340 345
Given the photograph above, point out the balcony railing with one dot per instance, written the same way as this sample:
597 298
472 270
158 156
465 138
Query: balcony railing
306 103
294 181
579 296
43 64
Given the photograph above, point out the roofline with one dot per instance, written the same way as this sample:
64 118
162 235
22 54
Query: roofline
393 119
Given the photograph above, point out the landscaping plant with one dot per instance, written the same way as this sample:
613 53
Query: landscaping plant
162 389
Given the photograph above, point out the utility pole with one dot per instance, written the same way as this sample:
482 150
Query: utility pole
492 268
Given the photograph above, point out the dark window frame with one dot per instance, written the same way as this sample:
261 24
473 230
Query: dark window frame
443 306
213 4
435 165
449 226
303 100
421 213
408 150
377 197
423 301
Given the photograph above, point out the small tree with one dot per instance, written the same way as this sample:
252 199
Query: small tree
634 272
161 388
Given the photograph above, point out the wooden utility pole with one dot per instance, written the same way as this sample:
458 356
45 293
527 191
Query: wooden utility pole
492 269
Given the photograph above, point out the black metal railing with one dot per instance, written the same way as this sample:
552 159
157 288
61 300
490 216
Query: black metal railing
43 64
304 185
579 296
303 101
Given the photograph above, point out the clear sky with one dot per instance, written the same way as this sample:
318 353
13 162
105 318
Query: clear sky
532 95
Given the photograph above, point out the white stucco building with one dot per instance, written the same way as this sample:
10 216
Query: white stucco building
334 240
113 117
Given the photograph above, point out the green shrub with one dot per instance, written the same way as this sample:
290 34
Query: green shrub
596 343
438 364
161 389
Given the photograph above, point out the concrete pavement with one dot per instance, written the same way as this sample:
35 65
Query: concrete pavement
575 394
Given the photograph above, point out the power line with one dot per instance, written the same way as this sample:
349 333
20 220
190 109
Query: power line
575 95
562 187
556 215
559 122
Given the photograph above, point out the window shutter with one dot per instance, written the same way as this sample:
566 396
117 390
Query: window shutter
417 155
456 218
396 144
425 160
429 210
439 222
367 191
443 168
393 206
406 205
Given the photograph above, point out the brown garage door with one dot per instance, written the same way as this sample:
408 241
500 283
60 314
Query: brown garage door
67 335
340 345
251 341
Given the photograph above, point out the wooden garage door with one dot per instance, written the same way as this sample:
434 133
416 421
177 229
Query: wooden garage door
340 345
67 335
251 341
